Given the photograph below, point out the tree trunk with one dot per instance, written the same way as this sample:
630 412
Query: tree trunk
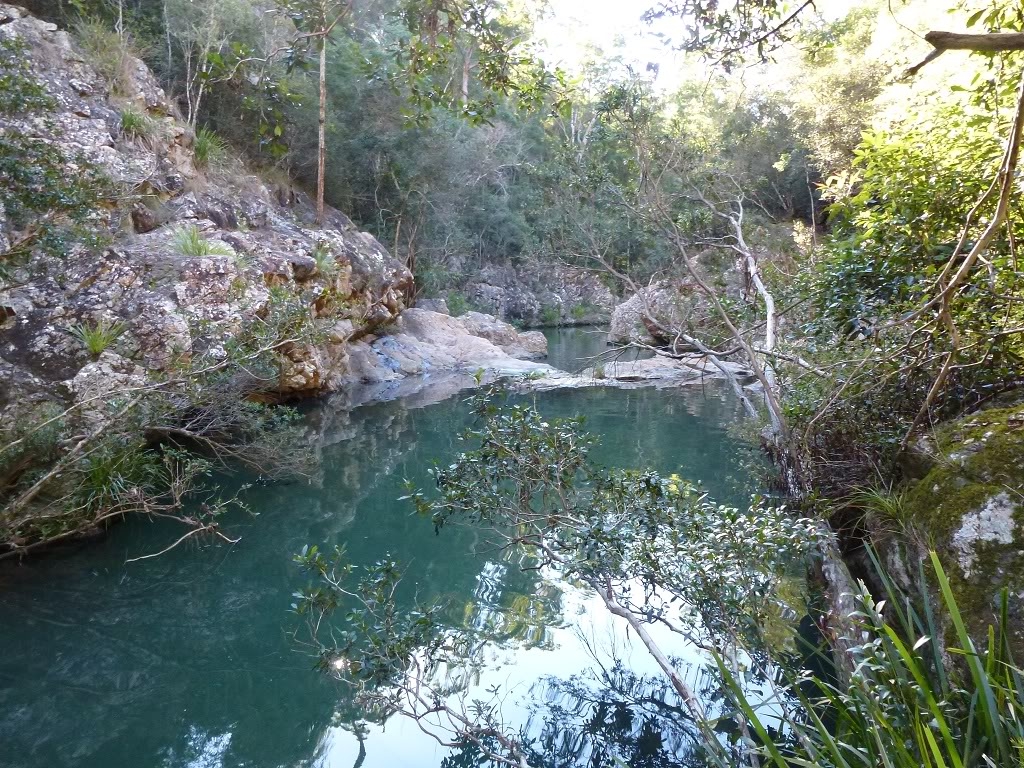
321 160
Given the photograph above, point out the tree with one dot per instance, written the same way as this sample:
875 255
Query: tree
316 21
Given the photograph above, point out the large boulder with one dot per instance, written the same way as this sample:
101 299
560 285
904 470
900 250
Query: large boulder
652 310
969 507
528 344
656 312
424 342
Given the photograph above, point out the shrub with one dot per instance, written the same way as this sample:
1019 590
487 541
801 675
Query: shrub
99 336
457 303
550 315
19 91
37 194
209 149
189 241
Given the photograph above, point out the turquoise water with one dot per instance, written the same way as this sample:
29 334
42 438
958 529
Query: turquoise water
187 660
573 349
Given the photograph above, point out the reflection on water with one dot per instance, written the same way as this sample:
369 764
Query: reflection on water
186 660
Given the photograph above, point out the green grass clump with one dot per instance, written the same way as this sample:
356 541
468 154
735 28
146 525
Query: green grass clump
903 705
136 125
98 337
325 262
209 149
189 241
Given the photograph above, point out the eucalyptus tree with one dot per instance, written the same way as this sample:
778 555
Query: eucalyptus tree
316 21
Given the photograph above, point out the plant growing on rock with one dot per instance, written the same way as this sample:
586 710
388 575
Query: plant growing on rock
136 124
47 207
97 337
550 315
188 240
109 52
326 264
209 149
150 448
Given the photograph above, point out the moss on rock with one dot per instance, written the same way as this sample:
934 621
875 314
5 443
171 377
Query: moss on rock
970 508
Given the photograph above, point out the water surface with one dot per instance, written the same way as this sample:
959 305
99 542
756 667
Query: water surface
186 660
573 349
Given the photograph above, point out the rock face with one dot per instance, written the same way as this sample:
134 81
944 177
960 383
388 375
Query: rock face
969 507
529 344
541 294
666 304
193 255
679 303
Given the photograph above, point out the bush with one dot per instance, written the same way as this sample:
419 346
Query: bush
457 303
209 149
37 194
550 315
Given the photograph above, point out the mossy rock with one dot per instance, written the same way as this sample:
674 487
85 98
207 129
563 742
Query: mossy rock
970 508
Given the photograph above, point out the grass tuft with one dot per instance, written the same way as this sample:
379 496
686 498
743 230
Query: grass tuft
325 262
98 337
136 124
189 241
209 149
108 53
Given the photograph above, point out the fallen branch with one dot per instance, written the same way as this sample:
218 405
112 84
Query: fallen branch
211 528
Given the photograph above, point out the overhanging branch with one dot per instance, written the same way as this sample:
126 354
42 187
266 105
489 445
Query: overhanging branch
990 42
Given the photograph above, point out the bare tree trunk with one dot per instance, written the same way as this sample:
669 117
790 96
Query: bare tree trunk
167 36
467 65
321 160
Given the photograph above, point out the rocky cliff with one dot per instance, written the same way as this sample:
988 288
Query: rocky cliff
189 257
539 294
192 254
